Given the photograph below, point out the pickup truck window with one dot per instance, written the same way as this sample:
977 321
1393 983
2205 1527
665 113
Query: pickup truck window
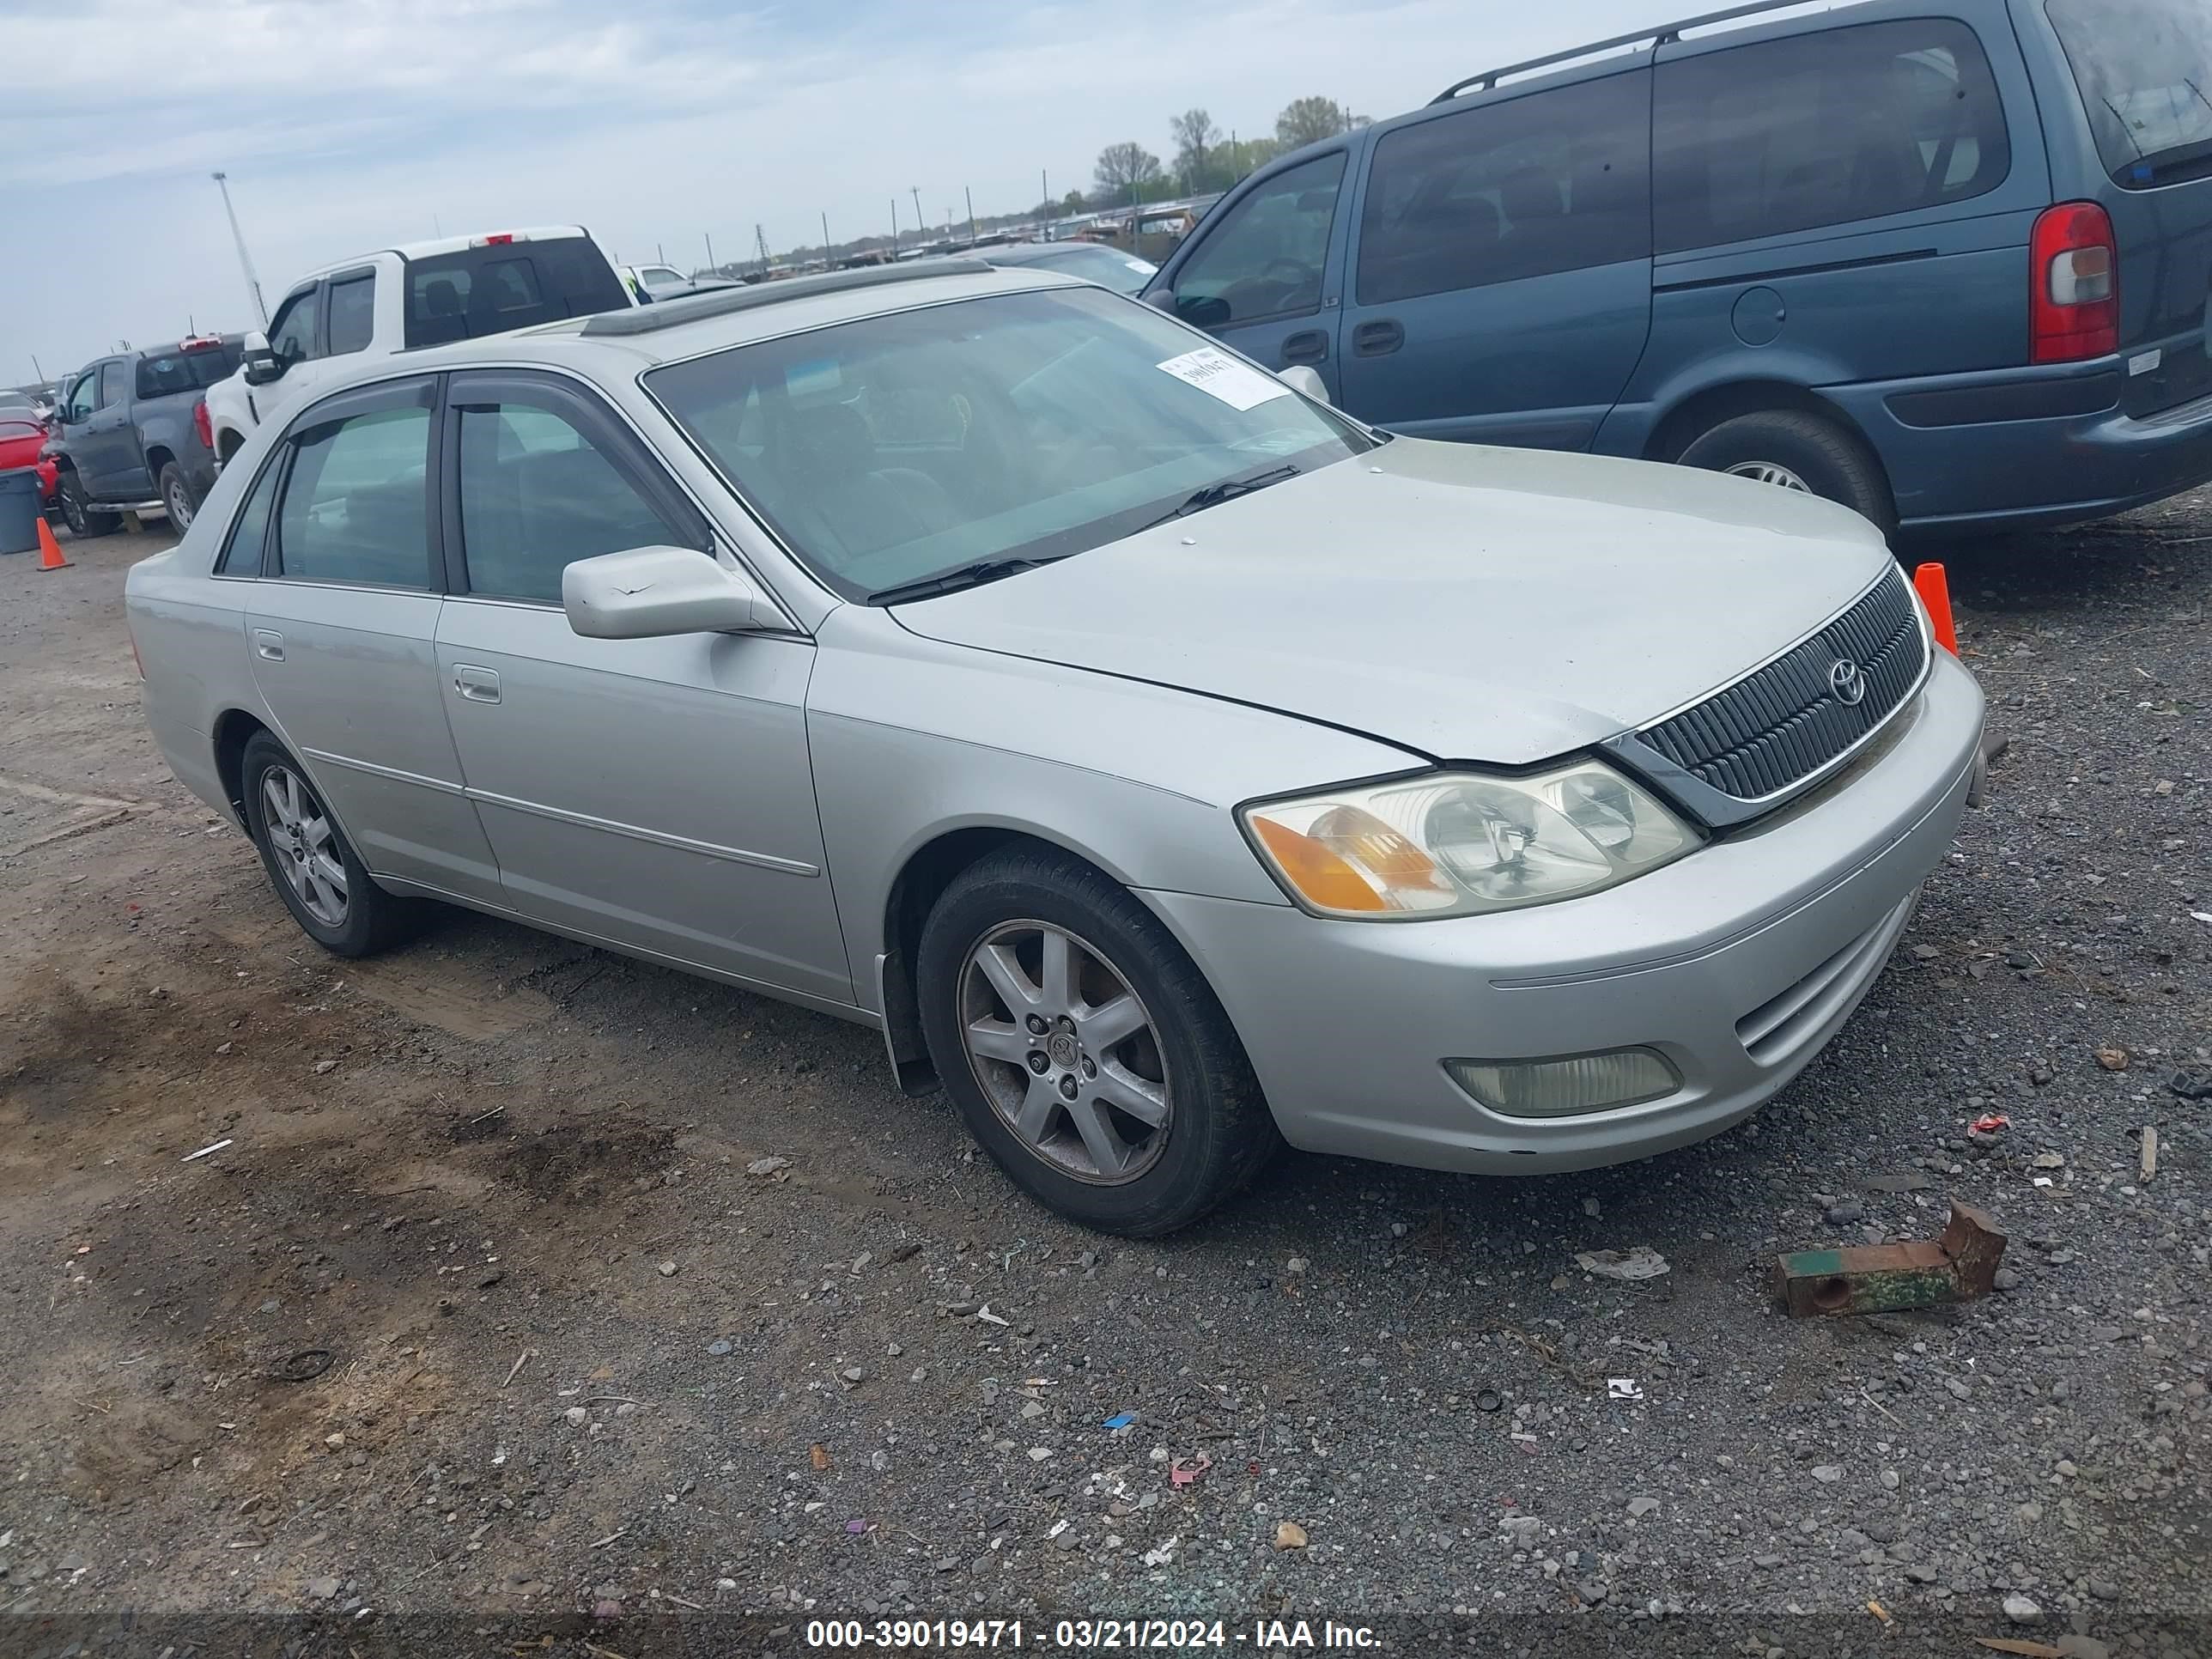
507 285
78 404
111 385
353 314
185 371
292 336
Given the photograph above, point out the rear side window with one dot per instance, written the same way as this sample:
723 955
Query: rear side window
1824 129
111 385
185 371
1265 260
1553 181
241 554
356 506
2145 70
491 291
353 314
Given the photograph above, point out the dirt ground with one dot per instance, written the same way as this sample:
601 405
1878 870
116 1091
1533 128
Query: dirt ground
488 1301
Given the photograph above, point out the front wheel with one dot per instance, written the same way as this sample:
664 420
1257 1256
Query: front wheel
323 883
83 518
1084 1048
1793 450
178 499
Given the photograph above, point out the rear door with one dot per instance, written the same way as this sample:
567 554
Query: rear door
654 794
1501 287
2142 70
341 626
1264 275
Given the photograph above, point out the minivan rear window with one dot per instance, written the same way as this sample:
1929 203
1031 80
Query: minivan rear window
2144 68
1828 128
509 285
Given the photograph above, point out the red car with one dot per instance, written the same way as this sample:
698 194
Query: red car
23 439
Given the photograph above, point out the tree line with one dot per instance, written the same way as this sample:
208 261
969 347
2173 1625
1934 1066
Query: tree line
1205 157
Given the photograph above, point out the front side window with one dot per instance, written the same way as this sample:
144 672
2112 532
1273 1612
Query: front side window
353 314
1549 181
356 507
2144 68
1265 258
1016 426
537 495
82 400
1829 127
292 336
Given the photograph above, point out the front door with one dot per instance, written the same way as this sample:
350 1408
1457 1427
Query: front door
1501 286
1261 279
653 794
341 627
297 340
105 447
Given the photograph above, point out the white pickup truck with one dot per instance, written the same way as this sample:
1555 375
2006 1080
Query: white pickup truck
458 288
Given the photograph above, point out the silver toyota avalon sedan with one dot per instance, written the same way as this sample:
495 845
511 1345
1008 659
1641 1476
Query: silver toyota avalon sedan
1169 766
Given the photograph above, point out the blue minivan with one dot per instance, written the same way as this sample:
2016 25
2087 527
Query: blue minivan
1948 262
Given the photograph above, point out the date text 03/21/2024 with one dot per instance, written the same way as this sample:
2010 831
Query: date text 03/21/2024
1094 1634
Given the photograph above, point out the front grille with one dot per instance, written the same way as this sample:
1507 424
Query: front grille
1780 723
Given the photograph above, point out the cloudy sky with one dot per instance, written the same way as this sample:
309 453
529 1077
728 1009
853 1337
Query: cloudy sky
349 125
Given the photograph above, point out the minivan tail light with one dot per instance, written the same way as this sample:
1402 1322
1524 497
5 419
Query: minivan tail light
202 424
2073 284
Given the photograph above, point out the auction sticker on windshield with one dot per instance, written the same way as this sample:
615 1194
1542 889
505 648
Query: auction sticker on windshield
1218 374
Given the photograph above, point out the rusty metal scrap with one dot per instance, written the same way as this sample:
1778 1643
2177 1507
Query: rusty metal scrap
1957 1266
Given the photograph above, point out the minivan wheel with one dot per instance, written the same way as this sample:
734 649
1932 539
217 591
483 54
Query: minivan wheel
1084 1048
177 498
1793 450
323 884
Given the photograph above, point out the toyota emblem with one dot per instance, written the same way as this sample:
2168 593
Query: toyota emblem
1849 684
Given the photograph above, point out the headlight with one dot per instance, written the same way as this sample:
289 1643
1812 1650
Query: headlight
1460 843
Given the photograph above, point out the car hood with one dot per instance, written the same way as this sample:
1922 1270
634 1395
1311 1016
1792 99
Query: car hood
1464 602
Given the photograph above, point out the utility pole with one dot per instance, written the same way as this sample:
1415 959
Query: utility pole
895 224
660 254
825 238
244 260
760 244
37 374
1044 188
712 269
919 228
970 195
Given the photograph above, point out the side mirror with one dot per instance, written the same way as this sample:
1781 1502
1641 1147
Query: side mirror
1207 311
653 592
260 365
1300 377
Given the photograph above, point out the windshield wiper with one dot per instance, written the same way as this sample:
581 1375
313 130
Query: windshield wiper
951 581
1227 490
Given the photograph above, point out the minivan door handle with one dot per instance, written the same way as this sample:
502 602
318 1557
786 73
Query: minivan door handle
1308 345
268 644
476 685
1377 338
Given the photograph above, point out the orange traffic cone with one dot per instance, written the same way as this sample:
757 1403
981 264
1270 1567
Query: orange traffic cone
1928 580
50 551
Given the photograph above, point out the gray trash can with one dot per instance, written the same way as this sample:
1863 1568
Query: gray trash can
18 510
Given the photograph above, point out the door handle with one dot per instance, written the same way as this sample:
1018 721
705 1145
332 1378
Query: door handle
1377 338
1308 345
476 685
268 644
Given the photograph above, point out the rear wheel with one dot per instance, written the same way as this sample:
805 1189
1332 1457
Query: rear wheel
323 884
1793 450
83 518
178 498
1084 1048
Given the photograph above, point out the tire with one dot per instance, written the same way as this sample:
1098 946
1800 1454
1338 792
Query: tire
1810 453
1214 1133
178 497
83 518
278 795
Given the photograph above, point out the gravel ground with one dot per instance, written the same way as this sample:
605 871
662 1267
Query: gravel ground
625 1292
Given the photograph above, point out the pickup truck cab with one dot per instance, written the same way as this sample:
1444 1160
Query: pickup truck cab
424 293
130 429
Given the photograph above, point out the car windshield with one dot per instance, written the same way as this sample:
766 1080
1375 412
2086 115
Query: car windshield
2144 68
1014 426
1103 265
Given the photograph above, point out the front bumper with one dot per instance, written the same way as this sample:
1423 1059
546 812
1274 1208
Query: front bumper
1737 962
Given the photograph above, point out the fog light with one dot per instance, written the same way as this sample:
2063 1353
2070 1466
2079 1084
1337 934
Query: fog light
1561 1088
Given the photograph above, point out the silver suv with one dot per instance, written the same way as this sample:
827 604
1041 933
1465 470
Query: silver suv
1169 765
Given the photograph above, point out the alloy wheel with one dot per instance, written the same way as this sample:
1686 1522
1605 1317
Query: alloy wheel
178 502
1065 1051
305 845
1768 472
73 510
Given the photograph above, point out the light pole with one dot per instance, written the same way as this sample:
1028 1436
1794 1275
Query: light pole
244 260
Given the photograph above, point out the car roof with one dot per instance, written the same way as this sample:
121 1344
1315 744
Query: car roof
438 244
